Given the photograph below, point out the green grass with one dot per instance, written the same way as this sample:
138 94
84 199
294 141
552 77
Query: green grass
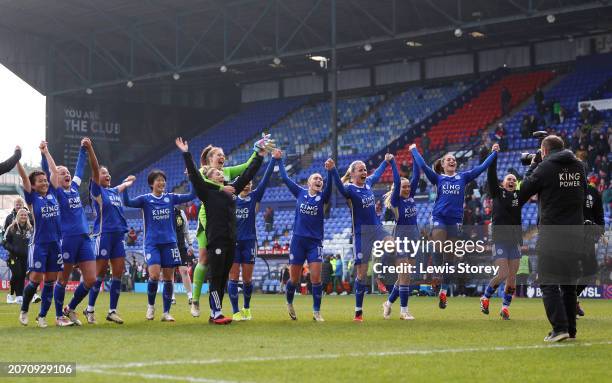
456 344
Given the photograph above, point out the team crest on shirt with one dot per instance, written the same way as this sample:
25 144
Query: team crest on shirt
457 177
318 198
49 197
247 199
367 187
166 199
148 256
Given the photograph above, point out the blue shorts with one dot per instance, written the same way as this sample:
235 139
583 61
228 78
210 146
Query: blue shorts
110 245
364 241
245 251
305 249
166 255
506 251
77 248
45 257
452 226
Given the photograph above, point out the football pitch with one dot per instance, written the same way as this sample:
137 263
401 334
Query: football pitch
456 344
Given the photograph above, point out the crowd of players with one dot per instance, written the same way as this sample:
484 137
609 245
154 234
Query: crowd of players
227 237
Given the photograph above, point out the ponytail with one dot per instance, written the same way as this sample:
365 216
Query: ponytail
437 166
207 152
387 196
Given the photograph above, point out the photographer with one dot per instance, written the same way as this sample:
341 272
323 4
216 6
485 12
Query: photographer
560 182
594 228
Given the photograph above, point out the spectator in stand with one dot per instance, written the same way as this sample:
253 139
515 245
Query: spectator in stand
18 205
404 170
483 152
601 187
584 112
506 99
326 273
607 199
539 100
500 135
379 209
566 143
562 114
338 272
16 239
192 211
601 145
269 219
284 277
132 237
425 145
594 116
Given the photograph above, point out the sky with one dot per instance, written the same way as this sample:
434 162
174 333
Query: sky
22 117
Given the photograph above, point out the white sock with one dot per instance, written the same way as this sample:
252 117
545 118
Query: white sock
189 295
404 309
358 309
91 309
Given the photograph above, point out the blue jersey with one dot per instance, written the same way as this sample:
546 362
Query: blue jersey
74 220
361 200
245 207
158 213
108 208
450 189
46 212
309 208
405 208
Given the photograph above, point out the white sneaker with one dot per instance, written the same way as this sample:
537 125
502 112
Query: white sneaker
19 300
23 318
344 293
10 299
36 298
316 316
291 311
63 321
166 317
72 315
387 309
406 316
195 309
114 317
150 312
42 322
333 293
91 316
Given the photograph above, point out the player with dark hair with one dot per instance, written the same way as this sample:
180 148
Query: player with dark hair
366 223
400 199
219 201
185 247
161 252
306 242
247 206
109 231
45 256
447 214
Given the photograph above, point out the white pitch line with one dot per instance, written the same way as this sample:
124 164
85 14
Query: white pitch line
191 379
337 356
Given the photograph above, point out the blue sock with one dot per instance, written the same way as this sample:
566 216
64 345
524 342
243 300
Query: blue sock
404 293
247 291
115 290
359 293
317 294
94 291
59 292
490 291
290 292
508 293
28 293
152 291
79 294
393 294
167 295
232 291
47 297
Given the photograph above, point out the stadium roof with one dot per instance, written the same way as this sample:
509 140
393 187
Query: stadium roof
88 43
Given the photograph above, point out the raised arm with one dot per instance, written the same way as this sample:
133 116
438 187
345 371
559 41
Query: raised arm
178 199
27 187
294 188
137 202
80 165
10 163
414 180
492 180
54 178
249 173
336 178
200 187
432 176
258 193
235 171
93 160
371 180
397 185
475 172
125 184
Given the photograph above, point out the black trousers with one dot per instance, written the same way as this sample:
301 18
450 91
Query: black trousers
18 267
560 305
220 260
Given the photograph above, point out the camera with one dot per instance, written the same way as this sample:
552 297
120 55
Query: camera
527 158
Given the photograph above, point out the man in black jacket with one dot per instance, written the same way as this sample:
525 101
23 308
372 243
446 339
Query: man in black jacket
559 180
220 204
